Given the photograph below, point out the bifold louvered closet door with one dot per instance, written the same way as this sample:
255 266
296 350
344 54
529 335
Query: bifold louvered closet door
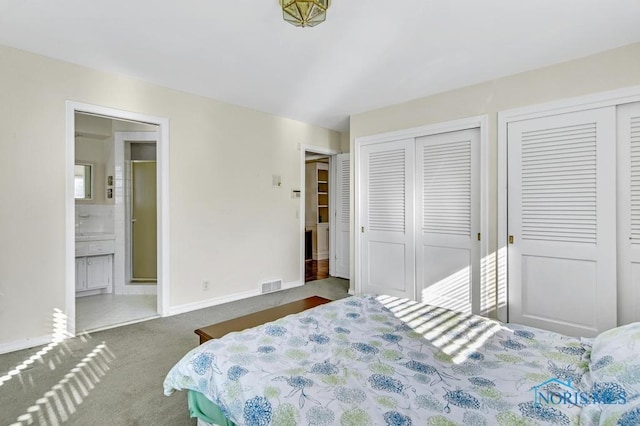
447 251
341 267
420 216
629 213
561 221
387 235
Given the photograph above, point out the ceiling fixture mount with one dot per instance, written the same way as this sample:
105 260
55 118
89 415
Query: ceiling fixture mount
304 13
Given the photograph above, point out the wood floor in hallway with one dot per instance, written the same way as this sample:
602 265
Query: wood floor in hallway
316 270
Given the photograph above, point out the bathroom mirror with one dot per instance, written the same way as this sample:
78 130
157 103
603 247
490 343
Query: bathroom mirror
83 181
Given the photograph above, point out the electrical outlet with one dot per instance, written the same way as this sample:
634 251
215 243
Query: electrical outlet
205 285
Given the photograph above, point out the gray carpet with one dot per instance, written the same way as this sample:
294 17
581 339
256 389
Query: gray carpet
120 383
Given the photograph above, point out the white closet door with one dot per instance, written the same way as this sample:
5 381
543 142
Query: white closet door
447 206
561 214
387 237
342 216
629 213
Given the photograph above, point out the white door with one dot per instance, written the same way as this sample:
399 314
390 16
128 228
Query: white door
387 236
81 273
561 216
99 271
144 239
447 219
342 204
629 212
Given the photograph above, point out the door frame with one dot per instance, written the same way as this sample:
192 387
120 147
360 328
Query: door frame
487 272
130 208
563 106
162 151
334 204
304 149
122 138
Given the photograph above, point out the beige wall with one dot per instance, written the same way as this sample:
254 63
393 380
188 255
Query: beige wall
228 224
609 70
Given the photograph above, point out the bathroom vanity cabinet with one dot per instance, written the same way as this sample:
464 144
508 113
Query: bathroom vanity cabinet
94 267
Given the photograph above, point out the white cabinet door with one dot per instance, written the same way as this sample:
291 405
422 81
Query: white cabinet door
99 271
81 273
448 219
561 215
387 209
341 267
629 213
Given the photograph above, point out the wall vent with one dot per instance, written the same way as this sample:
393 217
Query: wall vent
269 286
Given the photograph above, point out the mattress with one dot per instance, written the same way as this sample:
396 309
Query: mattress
384 360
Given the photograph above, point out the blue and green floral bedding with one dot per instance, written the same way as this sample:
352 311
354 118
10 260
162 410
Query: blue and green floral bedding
380 360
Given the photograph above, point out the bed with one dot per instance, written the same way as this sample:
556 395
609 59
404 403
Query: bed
381 360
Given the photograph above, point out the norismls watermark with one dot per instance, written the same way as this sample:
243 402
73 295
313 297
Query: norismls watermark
556 392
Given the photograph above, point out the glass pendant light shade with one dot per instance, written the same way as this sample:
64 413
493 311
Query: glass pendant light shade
304 13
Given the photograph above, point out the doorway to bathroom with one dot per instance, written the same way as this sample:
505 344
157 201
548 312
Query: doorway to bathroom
118 242
143 222
138 160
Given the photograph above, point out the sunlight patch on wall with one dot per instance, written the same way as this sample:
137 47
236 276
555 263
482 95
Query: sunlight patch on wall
502 278
488 295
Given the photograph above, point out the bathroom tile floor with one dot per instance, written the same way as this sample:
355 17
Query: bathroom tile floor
103 311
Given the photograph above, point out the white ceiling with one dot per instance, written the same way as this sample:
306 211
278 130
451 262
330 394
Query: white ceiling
368 54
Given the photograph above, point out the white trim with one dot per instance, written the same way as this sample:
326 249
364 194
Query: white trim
121 324
303 193
162 148
581 103
28 343
333 228
430 129
486 265
475 122
203 304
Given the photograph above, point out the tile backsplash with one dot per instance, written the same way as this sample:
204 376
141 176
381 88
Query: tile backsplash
95 218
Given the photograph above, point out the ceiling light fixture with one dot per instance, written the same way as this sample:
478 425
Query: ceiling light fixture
304 13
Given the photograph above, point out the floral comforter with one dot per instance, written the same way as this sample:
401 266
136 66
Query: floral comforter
385 361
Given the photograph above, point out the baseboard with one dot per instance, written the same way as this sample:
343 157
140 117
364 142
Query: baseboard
188 307
294 284
28 343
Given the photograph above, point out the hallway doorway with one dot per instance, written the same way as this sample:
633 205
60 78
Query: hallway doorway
324 217
317 216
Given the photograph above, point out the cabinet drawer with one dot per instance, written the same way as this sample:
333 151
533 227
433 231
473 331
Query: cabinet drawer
82 249
101 247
